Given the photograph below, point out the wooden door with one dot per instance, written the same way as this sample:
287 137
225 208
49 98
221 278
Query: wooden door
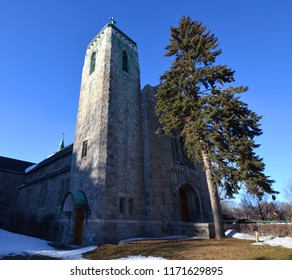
79 227
184 205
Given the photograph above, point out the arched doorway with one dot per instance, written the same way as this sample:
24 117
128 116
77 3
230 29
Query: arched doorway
189 204
76 201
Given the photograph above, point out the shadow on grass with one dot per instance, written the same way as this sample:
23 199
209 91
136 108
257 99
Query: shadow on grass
27 257
262 258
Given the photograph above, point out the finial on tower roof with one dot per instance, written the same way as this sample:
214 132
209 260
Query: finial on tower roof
112 19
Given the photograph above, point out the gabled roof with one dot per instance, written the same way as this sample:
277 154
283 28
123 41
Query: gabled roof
11 164
65 151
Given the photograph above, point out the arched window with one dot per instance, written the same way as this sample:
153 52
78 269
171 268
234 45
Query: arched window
27 197
67 186
61 191
43 195
125 61
92 62
64 188
177 149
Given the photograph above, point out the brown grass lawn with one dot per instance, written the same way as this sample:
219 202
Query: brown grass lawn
187 249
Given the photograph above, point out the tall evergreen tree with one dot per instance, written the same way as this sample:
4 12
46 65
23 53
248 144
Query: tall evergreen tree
217 128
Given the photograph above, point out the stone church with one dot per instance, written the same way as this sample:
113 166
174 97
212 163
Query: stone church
119 179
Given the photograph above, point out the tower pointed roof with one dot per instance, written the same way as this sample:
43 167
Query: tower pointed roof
61 145
114 27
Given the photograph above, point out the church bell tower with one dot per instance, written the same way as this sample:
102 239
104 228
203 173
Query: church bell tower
107 154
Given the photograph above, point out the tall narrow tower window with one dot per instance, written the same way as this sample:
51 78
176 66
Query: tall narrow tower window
178 150
125 61
84 149
122 205
92 62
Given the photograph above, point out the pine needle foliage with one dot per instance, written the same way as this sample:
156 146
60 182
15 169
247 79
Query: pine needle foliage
215 125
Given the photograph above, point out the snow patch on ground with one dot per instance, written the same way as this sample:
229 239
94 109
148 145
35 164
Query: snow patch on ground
17 244
264 240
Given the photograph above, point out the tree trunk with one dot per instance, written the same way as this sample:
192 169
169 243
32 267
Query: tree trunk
214 198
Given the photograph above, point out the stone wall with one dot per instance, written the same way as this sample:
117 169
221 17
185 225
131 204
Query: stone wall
37 209
9 180
164 176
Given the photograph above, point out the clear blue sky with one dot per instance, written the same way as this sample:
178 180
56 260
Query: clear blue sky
43 45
